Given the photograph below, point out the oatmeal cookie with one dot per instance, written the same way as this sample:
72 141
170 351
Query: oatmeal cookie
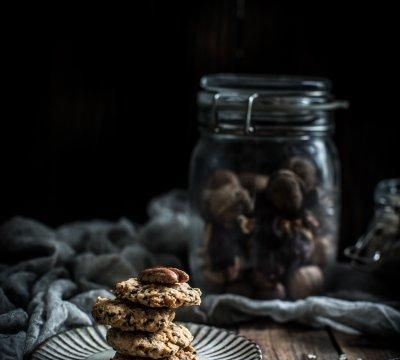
128 317
164 343
156 296
188 353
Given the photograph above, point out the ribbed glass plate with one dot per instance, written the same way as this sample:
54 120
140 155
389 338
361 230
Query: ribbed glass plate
89 343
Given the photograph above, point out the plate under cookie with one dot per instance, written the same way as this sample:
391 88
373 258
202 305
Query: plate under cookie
89 343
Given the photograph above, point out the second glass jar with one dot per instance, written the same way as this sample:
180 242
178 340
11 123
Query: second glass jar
264 186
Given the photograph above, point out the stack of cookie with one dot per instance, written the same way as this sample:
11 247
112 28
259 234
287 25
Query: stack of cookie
141 316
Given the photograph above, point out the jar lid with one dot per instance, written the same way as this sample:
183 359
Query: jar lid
252 102
266 84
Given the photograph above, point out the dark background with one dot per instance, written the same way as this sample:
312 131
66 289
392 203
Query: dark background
100 110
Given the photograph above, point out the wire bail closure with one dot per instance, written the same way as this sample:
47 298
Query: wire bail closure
214 113
248 128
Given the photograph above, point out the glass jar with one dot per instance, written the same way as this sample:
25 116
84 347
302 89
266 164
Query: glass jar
378 250
264 186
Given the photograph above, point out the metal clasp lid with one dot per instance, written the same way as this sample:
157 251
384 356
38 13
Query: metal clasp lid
266 103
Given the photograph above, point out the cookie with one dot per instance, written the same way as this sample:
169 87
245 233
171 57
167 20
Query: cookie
163 275
188 353
156 296
128 317
164 343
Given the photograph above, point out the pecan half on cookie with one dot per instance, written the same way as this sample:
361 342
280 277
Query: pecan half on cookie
163 275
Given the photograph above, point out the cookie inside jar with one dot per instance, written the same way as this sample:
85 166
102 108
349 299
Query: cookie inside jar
265 234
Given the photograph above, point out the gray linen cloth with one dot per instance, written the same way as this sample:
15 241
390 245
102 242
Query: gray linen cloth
50 279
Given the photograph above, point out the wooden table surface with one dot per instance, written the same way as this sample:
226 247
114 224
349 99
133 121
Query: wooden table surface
295 342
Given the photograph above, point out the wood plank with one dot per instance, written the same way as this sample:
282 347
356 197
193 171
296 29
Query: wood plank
290 342
367 348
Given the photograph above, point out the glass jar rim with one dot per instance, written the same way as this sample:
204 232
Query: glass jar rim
272 84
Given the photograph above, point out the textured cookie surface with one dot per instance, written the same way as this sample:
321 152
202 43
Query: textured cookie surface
129 317
164 343
155 295
188 353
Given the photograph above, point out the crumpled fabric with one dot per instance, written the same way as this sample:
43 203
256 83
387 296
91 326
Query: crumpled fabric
50 279
352 317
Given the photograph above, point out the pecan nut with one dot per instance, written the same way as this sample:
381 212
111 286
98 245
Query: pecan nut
163 275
